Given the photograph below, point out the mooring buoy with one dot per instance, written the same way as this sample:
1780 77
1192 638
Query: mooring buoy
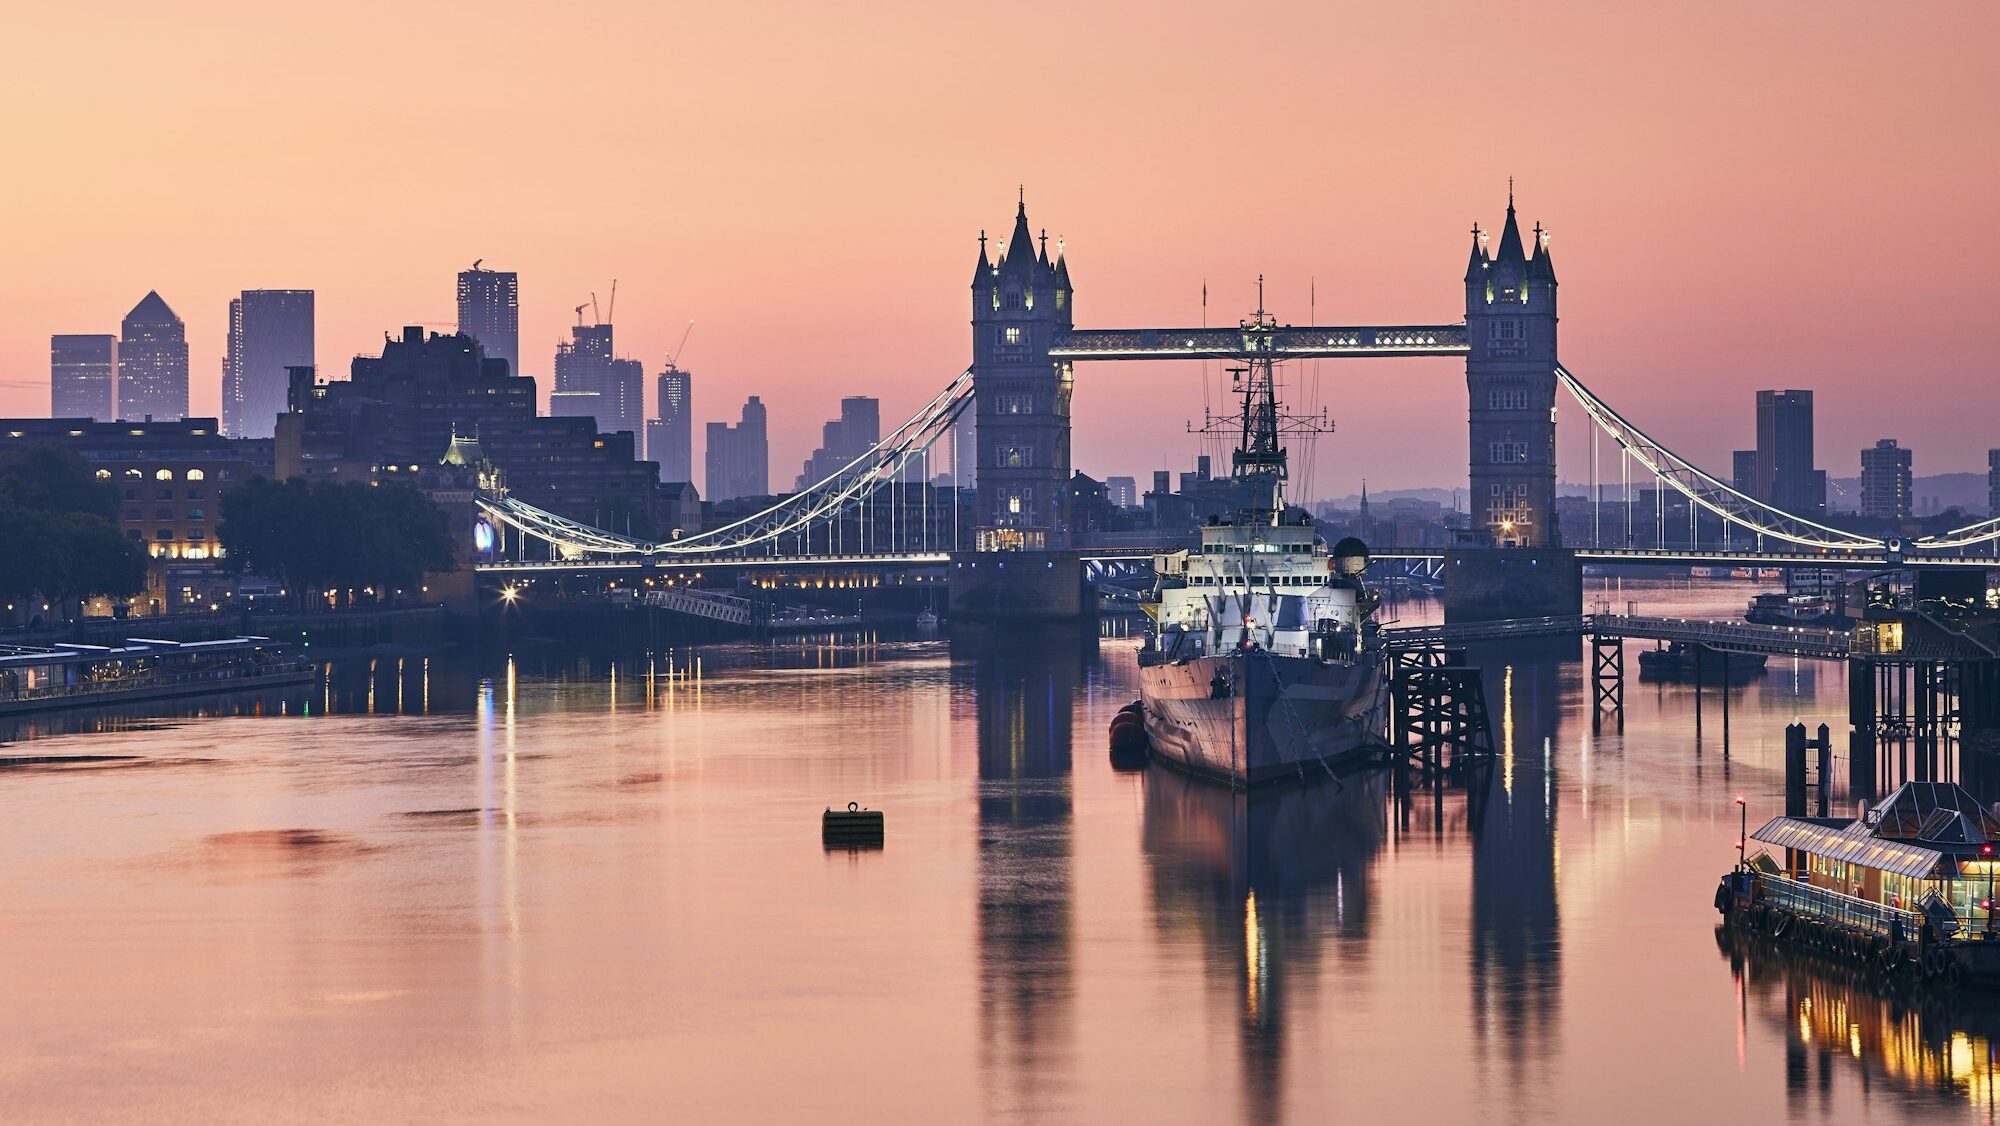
853 826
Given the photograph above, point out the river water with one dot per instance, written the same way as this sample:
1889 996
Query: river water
566 889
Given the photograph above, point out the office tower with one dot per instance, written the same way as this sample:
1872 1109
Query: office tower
844 439
591 380
269 330
670 435
1885 481
489 311
152 363
1122 491
1993 482
739 457
1743 472
1785 473
80 376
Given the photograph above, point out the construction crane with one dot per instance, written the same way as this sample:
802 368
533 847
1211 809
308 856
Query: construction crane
581 308
475 264
595 318
613 308
674 357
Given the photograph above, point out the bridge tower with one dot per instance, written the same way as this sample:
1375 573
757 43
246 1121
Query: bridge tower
1510 327
1020 304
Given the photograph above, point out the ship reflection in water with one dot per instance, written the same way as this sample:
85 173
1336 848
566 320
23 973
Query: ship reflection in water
1928 1049
1266 879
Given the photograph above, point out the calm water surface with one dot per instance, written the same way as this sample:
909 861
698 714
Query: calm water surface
571 891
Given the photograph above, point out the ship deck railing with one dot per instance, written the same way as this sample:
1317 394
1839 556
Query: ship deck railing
1825 903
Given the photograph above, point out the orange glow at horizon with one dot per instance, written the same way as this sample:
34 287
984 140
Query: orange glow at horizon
1740 197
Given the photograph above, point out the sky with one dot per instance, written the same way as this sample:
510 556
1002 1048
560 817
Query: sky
1740 195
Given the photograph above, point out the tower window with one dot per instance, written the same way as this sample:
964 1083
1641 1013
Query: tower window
1030 298
1010 335
1013 299
1062 298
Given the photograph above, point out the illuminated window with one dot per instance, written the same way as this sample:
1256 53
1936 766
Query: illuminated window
1030 297
133 474
196 475
104 475
1062 298
1013 504
164 475
1010 335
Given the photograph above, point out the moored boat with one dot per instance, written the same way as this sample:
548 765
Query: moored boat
1905 890
1262 659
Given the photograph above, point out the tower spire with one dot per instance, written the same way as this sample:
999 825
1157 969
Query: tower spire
1510 235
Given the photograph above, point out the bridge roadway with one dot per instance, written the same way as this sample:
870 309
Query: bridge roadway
1735 637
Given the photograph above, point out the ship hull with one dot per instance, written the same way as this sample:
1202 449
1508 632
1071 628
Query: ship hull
1277 717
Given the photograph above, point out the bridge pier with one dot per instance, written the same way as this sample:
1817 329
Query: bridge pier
1002 587
1484 584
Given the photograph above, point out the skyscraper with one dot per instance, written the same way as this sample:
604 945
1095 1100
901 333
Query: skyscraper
670 436
1743 472
269 330
1786 478
590 379
1993 482
152 363
739 457
843 439
80 376
489 311
1886 483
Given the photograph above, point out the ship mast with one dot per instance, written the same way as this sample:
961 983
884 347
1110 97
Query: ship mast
1259 464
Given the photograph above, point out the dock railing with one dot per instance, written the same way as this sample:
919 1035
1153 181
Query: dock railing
1824 903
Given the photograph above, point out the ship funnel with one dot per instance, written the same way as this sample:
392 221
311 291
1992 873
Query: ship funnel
1350 556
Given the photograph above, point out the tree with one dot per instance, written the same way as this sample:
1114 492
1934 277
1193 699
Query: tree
57 519
321 536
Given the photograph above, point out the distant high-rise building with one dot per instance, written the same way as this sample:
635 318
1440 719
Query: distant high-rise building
1743 472
270 330
844 439
739 457
1786 478
489 311
587 366
1993 482
1886 483
1122 491
670 435
152 363
80 376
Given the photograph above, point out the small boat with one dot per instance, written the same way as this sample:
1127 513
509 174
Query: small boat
1775 609
1906 890
1680 660
927 619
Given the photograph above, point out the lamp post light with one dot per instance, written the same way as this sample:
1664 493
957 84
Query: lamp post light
1742 832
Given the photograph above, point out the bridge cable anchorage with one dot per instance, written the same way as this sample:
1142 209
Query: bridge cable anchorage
873 470
1734 507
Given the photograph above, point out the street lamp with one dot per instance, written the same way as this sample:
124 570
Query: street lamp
1743 831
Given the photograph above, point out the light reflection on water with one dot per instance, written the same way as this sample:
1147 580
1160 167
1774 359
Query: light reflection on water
562 888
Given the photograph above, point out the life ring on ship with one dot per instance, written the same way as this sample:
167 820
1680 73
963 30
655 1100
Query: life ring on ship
1953 975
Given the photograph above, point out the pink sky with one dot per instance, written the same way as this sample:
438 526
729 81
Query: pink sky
1741 195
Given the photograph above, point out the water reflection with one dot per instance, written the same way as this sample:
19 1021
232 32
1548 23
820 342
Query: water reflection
1516 939
1928 1049
1025 697
1263 880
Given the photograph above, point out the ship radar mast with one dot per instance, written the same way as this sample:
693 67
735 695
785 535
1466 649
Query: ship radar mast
1259 464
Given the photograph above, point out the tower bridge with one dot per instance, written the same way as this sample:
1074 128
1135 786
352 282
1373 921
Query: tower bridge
1017 391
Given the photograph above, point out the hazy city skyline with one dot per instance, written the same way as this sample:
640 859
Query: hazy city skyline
1714 235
